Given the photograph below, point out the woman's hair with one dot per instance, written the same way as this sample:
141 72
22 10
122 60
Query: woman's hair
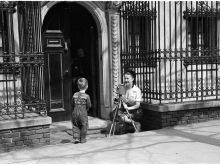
82 83
133 74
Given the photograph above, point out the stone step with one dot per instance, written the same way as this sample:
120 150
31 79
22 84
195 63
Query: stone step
61 132
94 124
90 134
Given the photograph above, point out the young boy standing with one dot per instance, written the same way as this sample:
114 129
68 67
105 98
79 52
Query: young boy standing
81 104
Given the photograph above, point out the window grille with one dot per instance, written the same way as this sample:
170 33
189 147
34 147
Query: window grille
174 49
202 31
137 37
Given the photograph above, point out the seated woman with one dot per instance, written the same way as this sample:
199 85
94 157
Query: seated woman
131 103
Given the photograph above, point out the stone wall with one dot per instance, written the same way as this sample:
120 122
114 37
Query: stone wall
22 137
157 119
18 136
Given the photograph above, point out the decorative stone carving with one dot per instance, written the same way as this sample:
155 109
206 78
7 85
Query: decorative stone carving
115 51
9 5
202 9
113 5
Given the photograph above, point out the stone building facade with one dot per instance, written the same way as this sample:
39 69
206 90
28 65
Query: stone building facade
46 45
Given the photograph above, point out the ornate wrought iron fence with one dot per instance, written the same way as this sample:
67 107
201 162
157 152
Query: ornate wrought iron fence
21 61
174 49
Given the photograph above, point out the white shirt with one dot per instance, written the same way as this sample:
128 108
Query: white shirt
133 95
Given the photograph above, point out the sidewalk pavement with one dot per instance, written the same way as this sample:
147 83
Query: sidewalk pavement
194 143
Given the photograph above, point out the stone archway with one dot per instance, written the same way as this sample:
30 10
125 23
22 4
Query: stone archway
98 12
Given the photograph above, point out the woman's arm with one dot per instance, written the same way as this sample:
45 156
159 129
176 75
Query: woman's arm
133 100
136 106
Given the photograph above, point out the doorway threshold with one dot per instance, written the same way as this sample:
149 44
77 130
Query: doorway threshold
94 123
57 110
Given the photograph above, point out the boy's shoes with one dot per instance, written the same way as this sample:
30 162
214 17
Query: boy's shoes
83 141
76 141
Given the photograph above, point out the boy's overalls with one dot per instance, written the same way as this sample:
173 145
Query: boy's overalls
80 116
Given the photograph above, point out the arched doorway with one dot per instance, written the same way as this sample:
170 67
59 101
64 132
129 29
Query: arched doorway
70 46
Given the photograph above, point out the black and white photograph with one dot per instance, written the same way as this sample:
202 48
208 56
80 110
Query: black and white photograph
109 82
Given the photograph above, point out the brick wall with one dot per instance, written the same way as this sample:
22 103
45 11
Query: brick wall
28 132
18 138
157 120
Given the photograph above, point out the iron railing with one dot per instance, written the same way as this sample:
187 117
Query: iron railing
21 61
174 49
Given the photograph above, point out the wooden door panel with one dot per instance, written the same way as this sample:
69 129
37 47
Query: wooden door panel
57 84
56 80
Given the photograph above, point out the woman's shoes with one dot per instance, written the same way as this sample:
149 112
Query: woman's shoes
138 126
83 141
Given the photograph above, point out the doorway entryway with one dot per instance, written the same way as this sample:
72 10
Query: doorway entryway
71 51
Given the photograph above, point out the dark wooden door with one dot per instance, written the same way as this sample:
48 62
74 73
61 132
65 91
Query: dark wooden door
57 76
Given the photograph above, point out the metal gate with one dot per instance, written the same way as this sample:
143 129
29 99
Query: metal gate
21 61
174 49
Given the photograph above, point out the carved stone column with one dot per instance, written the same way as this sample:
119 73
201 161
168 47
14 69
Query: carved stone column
114 40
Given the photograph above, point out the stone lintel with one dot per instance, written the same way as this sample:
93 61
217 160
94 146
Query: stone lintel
180 106
27 122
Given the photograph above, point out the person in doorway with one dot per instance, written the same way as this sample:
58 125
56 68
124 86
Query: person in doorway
81 104
130 112
79 67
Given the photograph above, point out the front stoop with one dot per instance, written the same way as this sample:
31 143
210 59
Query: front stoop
61 132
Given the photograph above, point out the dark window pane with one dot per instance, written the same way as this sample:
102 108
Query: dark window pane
202 34
55 76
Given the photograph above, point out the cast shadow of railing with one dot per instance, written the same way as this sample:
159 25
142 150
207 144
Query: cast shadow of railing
200 132
127 144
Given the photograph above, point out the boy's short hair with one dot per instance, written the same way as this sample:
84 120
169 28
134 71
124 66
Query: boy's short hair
82 83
